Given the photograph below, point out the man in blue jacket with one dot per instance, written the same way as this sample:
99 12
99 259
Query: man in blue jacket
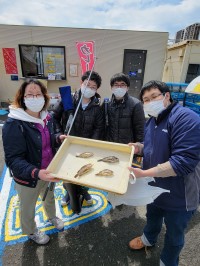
171 154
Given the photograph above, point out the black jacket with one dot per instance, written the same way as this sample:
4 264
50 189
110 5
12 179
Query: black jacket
125 120
23 149
89 123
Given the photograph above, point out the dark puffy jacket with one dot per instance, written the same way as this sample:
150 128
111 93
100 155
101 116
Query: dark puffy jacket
125 120
23 149
89 123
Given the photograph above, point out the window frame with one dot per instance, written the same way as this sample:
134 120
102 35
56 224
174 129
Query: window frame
191 74
41 65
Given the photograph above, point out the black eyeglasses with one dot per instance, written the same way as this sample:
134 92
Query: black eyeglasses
153 98
31 96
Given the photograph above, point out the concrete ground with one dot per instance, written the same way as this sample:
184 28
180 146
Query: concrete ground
101 242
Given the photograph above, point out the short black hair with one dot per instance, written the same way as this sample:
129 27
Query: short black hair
120 77
157 85
94 77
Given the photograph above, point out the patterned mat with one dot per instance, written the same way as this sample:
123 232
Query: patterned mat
10 231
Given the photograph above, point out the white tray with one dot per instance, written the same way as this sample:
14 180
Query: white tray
65 164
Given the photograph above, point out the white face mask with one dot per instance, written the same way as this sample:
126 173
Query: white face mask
87 92
34 104
119 92
153 108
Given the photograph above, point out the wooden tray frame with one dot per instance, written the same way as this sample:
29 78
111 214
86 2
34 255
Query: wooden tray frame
65 164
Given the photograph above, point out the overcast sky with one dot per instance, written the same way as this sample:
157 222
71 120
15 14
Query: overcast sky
146 15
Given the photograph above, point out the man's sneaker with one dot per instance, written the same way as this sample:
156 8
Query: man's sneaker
65 200
57 222
88 198
39 237
136 243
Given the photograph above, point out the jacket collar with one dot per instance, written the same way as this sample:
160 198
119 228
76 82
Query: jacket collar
95 100
121 101
165 112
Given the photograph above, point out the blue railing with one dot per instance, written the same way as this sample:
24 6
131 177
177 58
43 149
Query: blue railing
177 87
189 100
177 90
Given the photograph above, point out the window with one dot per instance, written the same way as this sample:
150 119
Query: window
43 61
193 72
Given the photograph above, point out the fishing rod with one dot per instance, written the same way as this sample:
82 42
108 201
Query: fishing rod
51 184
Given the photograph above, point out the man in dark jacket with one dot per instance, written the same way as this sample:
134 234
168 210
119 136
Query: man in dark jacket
88 123
171 152
124 114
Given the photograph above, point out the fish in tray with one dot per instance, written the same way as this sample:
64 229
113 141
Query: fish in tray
105 172
84 169
85 155
109 159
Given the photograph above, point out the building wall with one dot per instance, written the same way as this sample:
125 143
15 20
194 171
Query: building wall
110 45
178 58
173 65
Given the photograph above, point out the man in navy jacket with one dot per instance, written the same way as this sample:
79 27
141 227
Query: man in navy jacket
171 154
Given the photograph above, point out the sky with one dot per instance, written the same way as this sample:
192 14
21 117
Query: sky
143 15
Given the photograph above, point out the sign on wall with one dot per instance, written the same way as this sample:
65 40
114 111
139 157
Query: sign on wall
86 55
10 60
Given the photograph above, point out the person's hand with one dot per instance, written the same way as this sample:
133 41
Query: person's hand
143 173
45 175
136 146
137 172
62 137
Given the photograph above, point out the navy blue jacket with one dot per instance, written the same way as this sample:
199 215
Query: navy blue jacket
174 137
23 149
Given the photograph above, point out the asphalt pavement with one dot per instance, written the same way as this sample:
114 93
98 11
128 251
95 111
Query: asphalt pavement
100 242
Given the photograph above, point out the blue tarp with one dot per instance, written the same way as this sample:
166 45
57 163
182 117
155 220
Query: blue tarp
3 112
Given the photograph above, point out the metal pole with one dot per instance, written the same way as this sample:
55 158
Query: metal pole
76 111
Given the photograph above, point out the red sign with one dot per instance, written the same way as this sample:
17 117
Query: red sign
86 54
10 60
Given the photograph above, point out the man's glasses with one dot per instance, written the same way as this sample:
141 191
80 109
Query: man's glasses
153 98
91 87
119 85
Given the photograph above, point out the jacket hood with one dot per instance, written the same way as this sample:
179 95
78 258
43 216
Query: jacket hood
20 114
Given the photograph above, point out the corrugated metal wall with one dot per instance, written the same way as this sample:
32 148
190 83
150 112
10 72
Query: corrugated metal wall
178 58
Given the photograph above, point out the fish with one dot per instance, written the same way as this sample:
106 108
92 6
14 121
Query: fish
105 172
109 159
85 155
84 169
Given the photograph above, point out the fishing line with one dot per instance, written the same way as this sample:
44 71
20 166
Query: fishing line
79 103
51 184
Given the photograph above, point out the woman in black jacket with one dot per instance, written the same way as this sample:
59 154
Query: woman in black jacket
88 123
30 142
